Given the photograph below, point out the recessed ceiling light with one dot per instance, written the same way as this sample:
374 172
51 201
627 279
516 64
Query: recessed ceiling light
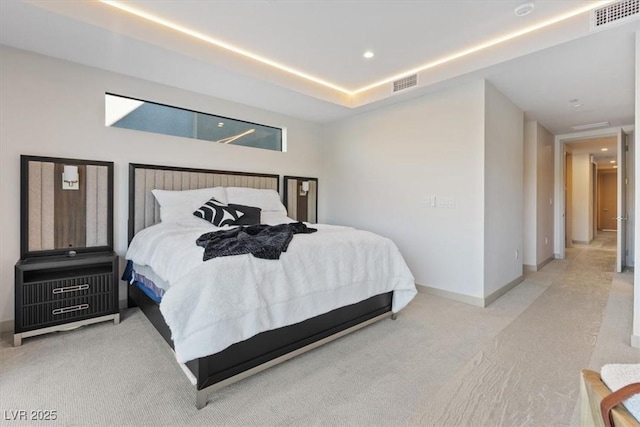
523 9
604 149
368 54
220 124
612 161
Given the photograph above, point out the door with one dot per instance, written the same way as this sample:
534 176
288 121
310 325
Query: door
607 200
622 197
568 204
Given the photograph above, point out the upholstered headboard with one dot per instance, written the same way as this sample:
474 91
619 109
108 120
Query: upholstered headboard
144 210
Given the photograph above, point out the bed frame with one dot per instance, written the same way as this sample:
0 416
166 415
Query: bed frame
265 349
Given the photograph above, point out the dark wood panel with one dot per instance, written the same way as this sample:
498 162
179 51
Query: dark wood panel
70 206
302 203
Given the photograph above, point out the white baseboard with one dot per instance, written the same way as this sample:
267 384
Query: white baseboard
545 262
468 299
635 341
6 326
582 242
530 268
503 290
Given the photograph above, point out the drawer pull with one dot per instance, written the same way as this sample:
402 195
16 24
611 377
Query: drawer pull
71 289
69 309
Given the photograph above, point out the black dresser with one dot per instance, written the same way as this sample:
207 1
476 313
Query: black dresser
59 292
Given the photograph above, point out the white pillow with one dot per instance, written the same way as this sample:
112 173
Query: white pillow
275 218
267 200
178 206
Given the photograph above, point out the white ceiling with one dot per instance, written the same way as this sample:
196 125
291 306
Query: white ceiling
540 71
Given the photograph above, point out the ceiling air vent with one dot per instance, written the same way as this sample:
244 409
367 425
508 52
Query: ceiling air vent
615 14
405 83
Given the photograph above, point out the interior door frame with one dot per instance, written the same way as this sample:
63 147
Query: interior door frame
605 189
622 214
559 181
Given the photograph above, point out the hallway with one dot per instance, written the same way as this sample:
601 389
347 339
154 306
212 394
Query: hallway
604 240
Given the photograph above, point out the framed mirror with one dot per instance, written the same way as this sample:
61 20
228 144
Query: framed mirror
66 206
301 198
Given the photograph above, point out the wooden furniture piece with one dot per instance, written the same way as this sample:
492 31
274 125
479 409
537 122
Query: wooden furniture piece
67 275
265 349
592 392
55 293
301 198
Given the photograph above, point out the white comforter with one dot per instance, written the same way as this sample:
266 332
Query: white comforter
213 304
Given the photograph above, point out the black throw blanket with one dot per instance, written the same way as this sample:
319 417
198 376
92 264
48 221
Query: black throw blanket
262 241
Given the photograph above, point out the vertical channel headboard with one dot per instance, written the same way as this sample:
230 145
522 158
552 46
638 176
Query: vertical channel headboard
144 210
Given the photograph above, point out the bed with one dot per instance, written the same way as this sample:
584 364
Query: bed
210 351
601 407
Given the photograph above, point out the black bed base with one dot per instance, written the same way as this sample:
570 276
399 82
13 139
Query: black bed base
267 348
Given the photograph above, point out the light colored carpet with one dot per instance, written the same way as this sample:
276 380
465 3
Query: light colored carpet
527 374
442 362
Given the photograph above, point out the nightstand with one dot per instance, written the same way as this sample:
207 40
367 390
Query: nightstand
54 293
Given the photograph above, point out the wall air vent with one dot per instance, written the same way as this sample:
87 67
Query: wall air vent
405 83
616 13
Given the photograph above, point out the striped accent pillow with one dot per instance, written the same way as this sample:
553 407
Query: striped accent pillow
217 213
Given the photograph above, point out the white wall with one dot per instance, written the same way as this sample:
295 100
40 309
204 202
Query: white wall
55 108
503 191
538 194
463 145
530 201
582 208
544 194
383 165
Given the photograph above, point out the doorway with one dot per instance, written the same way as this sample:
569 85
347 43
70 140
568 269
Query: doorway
587 167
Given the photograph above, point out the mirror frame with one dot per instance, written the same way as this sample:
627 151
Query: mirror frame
24 207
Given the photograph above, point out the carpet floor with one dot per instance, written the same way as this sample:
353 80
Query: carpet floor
516 362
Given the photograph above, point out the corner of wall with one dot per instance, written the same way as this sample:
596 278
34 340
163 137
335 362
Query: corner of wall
530 154
503 191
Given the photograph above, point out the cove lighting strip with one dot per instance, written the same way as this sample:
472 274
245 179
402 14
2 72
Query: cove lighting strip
166 23
462 53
